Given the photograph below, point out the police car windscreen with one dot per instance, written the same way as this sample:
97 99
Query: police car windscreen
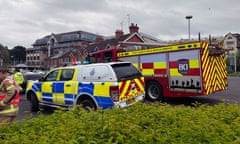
126 71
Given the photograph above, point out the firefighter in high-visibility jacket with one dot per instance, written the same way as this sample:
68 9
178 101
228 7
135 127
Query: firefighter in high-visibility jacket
9 97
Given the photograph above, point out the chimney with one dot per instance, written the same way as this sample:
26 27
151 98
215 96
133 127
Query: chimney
118 33
133 28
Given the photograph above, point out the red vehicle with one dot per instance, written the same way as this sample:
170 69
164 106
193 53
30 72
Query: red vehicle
186 69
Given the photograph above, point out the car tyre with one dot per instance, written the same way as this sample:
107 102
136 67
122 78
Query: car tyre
88 105
34 103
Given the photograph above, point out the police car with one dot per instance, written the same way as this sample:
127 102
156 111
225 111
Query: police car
104 85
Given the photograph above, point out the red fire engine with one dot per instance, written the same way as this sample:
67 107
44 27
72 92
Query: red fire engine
186 69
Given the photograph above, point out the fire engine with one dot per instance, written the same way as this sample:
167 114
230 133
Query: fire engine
179 70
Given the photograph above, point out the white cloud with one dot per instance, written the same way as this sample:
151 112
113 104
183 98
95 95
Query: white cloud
24 21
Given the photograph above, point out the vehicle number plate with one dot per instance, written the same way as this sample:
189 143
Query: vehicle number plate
130 101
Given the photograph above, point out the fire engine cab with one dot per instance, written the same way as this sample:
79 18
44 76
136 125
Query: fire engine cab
180 70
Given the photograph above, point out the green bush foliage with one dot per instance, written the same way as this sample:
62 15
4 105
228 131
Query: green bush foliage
141 123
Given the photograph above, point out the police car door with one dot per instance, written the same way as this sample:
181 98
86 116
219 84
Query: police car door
64 89
47 86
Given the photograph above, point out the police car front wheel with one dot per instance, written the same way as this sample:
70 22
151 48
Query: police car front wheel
34 102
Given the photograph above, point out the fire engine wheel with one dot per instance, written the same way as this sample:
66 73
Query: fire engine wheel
34 102
87 104
154 91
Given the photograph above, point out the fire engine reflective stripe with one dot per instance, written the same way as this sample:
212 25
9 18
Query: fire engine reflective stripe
193 63
153 68
102 89
214 70
174 72
161 49
10 110
159 65
147 68
191 72
147 71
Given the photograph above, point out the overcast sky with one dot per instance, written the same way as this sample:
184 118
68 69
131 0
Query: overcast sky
24 21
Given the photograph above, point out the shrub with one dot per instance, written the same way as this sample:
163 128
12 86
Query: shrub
140 123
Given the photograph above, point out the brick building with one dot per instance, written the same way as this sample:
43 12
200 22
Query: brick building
133 40
52 50
57 49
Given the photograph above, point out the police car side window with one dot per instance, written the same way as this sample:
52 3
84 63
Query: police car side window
66 75
96 73
52 76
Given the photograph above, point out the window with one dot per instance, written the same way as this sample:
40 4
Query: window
66 75
126 71
108 56
230 42
52 76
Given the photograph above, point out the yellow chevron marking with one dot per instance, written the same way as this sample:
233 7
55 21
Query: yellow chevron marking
214 72
125 89
140 84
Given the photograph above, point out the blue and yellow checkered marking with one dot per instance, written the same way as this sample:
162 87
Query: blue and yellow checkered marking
58 92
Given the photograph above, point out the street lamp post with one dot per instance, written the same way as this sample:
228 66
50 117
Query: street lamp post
188 18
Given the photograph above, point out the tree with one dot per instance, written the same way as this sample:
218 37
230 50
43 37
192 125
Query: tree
5 54
18 54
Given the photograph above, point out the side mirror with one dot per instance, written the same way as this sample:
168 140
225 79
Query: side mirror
41 79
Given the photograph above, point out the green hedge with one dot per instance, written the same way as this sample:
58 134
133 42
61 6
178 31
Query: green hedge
141 123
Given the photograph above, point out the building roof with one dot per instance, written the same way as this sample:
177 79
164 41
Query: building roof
67 37
147 40
107 43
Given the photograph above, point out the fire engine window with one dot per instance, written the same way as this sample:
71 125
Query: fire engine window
98 58
108 56
133 59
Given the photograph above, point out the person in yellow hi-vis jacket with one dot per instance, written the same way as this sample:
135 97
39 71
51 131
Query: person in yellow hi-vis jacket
9 97
18 77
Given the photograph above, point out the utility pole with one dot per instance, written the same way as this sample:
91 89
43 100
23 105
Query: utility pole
189 18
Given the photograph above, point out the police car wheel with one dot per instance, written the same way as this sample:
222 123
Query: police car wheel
154 91
34 103
87 104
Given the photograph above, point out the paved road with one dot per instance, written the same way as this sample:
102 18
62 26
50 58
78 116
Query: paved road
231 95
